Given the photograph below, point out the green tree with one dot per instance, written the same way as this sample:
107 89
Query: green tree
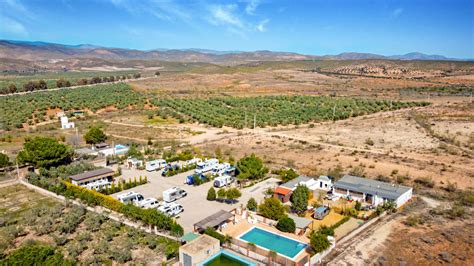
4 160
299 199
358 206
211 194
12 88
252 204
221 193
95 135
286 224
233 193
251 167
319 242
272 208
45 152
287 175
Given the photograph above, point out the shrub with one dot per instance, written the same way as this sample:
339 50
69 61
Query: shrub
252 204
223 239
425 181
211 194
369 142
319 242
358 205
326 230
299 199
35 255
286 224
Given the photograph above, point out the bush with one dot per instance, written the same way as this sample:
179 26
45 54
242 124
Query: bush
286 224
250 167
223 239
35 255
252 204
272 208
326 230
358 205
211 194
95 135
319 242
425 181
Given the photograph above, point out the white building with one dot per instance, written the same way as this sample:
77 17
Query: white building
133 163
371 191
95 179
324 183
65 124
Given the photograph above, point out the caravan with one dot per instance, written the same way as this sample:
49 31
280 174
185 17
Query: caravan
171 209
149 203
130 197
220 169
173 194
224 180
206 166
155 165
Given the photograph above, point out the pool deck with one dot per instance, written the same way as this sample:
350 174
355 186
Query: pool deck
236 230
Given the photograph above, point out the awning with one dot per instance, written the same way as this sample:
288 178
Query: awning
214 220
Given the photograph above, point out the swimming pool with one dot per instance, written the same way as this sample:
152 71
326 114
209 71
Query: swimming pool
225 258
283 245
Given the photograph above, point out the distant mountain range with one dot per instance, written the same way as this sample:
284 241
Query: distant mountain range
36 51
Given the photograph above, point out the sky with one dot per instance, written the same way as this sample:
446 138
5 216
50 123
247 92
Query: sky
316 27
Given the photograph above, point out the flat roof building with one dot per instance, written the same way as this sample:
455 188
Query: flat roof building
371 191
198 250
95 179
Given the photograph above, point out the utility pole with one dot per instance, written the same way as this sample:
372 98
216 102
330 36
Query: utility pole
333 112
245 124
17 170
391 104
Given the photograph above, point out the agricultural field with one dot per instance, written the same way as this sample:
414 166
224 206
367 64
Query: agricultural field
18 110
52 77
30 219
275 110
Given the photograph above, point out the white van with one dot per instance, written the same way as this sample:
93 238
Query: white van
222 181
171 209
173 194
206 166
130 197
149 203
155 165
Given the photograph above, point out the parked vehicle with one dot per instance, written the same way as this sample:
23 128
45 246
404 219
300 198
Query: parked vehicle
222 181
321 212
130 197
173 194
220 169
331 197
192 161
206 166
169 167
155 165
149 203
171 209
190 180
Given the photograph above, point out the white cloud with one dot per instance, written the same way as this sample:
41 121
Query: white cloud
162 9
224 15
12 26
16 7
252 6
396 12
261 27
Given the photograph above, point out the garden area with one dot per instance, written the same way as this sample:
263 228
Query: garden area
35 229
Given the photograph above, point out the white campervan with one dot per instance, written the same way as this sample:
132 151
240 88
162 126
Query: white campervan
130 197
171 209
155 165
173 194
149 203
220 169
223 180
206 166
192 161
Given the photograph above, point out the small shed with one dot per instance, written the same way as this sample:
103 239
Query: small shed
302 224
198 250
133 163
283 194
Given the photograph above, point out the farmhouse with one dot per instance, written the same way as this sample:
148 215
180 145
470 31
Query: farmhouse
96 179
371 191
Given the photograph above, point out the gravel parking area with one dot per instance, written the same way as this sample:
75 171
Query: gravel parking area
195 205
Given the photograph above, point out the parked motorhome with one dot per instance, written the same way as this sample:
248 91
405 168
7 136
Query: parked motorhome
192 161
155 165
173 194
206 166
171 209
220 169
130 197
149 203
224 180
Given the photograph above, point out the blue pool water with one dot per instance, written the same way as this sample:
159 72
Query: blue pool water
120 147
271 241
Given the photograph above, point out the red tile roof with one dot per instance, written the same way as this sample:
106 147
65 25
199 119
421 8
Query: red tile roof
282 191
